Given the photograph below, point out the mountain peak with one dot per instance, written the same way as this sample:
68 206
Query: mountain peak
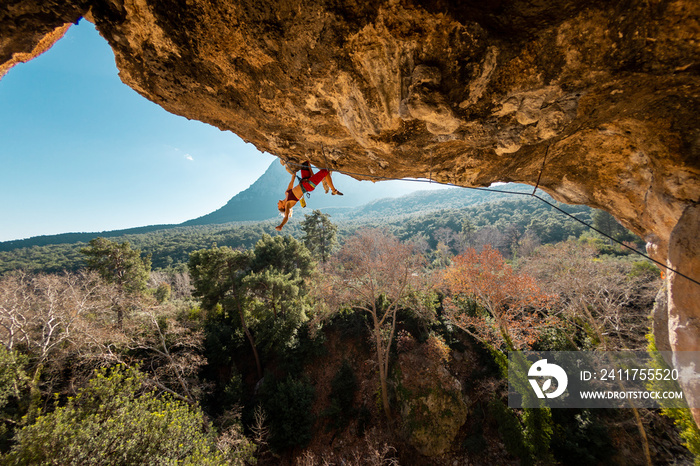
259 201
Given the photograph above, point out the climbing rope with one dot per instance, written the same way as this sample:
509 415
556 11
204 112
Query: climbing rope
517 193
539 177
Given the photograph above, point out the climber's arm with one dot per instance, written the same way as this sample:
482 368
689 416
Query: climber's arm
287 208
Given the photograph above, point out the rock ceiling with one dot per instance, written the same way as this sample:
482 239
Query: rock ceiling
599 98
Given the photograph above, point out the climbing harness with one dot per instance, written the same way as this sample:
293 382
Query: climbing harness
302 201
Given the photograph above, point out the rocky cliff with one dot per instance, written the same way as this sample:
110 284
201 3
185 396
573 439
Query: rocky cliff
598 100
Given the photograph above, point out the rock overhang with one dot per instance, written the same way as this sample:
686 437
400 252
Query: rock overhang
598 100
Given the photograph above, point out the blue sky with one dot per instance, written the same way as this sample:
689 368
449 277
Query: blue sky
81 151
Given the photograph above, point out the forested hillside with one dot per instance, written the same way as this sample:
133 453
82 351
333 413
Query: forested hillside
498 218
259 201
348 345
375 335
255 203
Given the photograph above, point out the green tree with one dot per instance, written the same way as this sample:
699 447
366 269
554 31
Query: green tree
277 282
319 234
283 254
114 421
118 263
606 223
13 377
266 287
217 276
343 388
278 306
467 233
14 391
289 404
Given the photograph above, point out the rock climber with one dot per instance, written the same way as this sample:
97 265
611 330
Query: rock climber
307 183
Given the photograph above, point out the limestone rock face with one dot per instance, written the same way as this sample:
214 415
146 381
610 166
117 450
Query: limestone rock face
600 99
432 407
464 92
29 28
684 295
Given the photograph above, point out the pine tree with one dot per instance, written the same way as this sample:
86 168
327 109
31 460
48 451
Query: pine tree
319 234
606 223
118 263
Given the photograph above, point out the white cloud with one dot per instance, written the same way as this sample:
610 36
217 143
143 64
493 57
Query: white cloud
188 157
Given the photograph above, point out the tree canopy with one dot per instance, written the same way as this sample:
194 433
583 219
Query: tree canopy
115 421
319 234
118 263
